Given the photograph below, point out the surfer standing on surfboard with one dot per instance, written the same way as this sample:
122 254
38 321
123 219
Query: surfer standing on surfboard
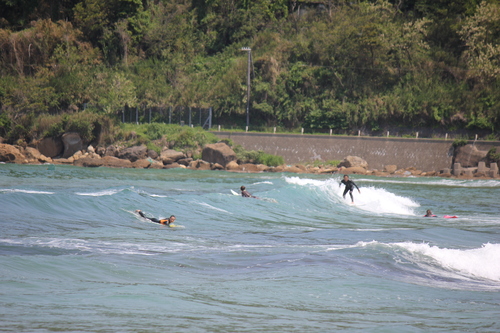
171 219
349 187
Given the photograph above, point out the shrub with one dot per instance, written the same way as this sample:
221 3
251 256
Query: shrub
5 124
270 160
154 147
493 156
155 131
459 142
81 123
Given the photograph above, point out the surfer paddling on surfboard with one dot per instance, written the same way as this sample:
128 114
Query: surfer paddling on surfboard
428 213
244 193
168 221
349 187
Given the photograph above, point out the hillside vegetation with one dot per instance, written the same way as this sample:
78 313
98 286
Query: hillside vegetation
344 65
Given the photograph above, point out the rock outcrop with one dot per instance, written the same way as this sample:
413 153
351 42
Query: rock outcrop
390 169
218 153
353 161
72 143
133 153
50 147
89 162
114 162
221 157
469 156
34 156
353 170
10 154
169 156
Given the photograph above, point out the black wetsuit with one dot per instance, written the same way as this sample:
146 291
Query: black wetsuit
245 194
349 187
153 219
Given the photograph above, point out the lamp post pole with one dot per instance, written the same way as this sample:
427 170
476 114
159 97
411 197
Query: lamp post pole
249 50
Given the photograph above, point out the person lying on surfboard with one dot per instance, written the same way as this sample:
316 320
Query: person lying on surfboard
428 213
349 187
168 221
244 193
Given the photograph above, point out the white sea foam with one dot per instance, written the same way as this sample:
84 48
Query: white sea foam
264 182
212 207
8 190
479 263
375 200
99 193
102 247
438 182
483 262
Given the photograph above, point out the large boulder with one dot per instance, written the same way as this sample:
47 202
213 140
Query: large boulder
134 153
390 168
351 170
169 156
199 165
10 154
88 162
173 166
233 166
185 161
72 143
111 150
293 169
142 163
50 147
152 154
114 162
249 167
353 161
469 156
218 153
35 156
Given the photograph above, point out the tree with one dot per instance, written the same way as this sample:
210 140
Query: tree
481 35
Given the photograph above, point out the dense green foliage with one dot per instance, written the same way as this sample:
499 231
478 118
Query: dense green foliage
156 136
344 65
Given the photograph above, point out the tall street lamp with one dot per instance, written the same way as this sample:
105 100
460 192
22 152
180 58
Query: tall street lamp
249 50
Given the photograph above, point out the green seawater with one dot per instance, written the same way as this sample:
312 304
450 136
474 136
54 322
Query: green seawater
74 257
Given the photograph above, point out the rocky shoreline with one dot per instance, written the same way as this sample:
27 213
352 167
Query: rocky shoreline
220 156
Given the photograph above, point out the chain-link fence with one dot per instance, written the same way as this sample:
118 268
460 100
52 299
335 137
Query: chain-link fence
181 115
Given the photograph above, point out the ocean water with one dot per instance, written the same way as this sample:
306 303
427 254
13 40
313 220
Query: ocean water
74 257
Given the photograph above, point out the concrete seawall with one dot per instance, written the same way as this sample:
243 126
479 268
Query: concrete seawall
423 154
